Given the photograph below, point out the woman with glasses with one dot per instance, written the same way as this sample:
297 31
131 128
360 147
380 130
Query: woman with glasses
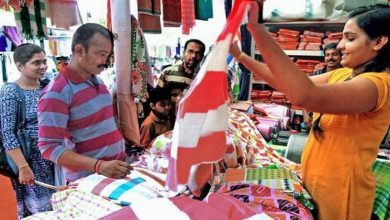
352 105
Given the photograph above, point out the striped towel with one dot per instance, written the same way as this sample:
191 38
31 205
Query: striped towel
135 187
31 20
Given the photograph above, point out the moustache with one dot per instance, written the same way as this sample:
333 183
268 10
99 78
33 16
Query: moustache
105 66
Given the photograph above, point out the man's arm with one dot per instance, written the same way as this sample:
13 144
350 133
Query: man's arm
114 169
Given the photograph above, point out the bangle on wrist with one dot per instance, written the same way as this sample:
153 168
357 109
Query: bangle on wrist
240 56
23 166
98 163
94 166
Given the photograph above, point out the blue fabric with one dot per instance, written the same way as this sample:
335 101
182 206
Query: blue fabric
125 187
31 199
245 77
228 7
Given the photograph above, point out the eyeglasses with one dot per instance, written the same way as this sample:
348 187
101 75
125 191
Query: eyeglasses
198 54
174 94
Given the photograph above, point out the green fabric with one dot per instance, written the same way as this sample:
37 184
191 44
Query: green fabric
38 19
32 20
281 149
26 25
203 9
381 171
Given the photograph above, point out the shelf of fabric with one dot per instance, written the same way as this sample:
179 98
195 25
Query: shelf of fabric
306 53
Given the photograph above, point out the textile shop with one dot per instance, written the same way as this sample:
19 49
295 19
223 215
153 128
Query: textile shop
255 169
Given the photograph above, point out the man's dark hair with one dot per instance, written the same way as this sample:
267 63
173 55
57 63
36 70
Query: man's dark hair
85 32
24 52
159 94
330 46
203 46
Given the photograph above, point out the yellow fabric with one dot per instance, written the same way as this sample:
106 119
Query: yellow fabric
337 166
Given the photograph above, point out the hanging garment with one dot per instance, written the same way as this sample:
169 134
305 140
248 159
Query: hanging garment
14 4
149 12
203 9
187 15
140 68
3 42
245 77
31 20
3 60
64 13
171 13
228 7
13 35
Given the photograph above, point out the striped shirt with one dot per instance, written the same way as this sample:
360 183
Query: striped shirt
74 114
175 73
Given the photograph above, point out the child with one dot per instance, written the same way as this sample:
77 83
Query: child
158 121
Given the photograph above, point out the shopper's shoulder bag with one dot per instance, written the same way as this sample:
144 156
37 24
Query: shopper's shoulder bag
7 165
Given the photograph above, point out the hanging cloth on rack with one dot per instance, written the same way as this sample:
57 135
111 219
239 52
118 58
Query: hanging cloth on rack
13 35
140 68
4 68
31 20
64 13
14 4
245 77
203 9
171 13
187 15
3 42
149 12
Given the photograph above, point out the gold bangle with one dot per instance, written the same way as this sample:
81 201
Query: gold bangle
242 54
23 166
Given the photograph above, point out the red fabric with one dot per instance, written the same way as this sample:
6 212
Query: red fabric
187 15
149 15
171 13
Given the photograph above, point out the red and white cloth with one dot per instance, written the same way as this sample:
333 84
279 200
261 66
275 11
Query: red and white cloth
202 119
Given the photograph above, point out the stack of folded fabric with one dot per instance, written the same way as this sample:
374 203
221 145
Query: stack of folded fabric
311 40
279 98
288 39
307 65
334 37
261 95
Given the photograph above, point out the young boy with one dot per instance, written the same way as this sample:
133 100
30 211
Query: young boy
176 90
158 121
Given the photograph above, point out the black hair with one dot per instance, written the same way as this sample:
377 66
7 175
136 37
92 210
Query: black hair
203 46
159 94
330 46
176 85
374 21
85 32
24 52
